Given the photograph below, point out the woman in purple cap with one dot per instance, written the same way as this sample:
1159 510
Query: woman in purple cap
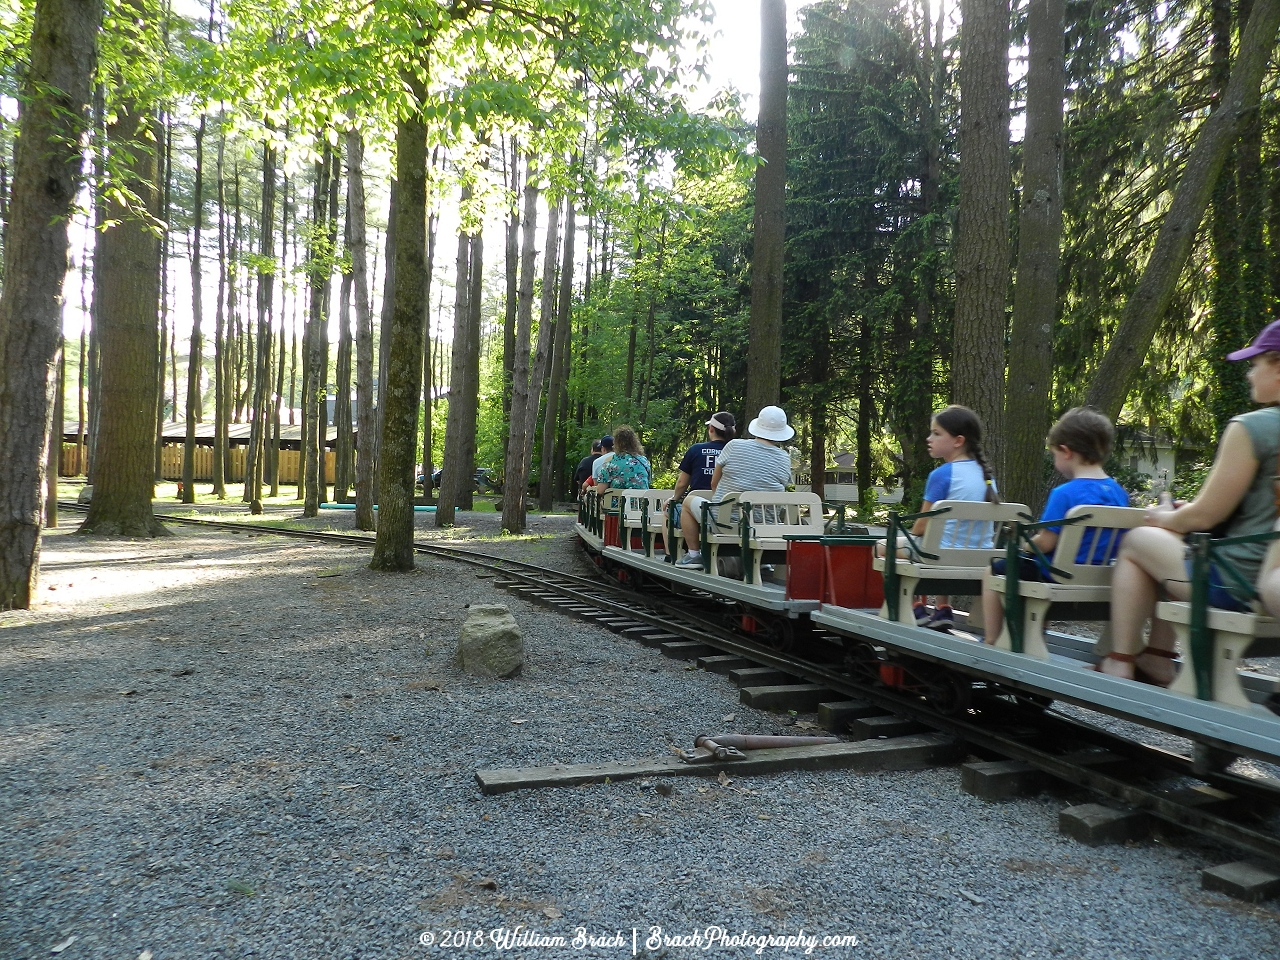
1153 561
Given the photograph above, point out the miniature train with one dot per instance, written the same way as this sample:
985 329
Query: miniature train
783 568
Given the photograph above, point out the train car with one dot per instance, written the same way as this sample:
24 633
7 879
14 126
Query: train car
769 557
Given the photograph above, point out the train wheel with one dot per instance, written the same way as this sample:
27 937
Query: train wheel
782 634
950 694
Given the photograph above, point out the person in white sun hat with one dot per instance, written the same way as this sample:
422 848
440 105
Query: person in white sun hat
756 464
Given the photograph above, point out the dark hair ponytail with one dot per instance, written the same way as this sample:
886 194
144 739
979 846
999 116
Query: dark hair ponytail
962 422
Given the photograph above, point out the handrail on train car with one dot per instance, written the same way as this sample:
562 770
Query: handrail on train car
1204 553
704 532
891 553
1024 533
669 540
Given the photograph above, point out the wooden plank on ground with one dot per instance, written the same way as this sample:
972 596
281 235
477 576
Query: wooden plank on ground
903 753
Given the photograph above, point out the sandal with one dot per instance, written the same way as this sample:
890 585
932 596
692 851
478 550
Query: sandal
1119 658
1145 677
1142 676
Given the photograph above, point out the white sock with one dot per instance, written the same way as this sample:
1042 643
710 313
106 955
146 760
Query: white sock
694 553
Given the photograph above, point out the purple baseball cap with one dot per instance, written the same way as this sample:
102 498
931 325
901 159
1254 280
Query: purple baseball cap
1267 340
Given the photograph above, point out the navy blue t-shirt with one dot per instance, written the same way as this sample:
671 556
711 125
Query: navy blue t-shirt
700 463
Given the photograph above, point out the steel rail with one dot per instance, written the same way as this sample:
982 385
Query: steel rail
683 623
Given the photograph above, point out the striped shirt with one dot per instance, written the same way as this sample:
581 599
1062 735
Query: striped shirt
751 465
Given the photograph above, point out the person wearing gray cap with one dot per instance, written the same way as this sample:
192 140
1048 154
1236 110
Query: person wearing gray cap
756 464
699 461
1239 490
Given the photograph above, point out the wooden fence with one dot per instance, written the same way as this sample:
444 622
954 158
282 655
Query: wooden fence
171 463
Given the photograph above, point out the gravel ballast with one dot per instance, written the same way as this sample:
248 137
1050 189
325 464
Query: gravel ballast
228 746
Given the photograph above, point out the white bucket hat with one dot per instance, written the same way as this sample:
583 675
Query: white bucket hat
771 424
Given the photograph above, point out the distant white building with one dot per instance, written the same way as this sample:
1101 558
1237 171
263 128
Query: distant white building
840 484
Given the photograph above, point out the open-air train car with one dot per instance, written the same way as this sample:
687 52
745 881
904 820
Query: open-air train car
772 557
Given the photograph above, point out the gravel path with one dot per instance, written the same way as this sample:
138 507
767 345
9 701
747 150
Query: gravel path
231 746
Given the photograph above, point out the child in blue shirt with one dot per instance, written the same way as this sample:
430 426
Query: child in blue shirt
1080 442
955 438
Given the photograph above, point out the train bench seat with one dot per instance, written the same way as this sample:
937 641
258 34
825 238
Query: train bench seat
754 525
930 567
1234 636
643 515
1084 592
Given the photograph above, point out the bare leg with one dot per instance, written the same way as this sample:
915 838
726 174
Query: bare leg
1269 588
1149 560
992 613
689 526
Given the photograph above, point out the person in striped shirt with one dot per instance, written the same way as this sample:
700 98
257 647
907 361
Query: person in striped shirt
760 463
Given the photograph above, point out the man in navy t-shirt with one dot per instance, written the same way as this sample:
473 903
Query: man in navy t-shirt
699 461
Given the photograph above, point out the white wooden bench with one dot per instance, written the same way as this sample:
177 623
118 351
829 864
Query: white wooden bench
1085 592
642 513
1233 634
933 568
764 519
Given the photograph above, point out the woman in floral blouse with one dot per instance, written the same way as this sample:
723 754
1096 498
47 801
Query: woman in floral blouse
629 468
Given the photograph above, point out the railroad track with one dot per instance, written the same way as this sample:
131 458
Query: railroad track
1226 807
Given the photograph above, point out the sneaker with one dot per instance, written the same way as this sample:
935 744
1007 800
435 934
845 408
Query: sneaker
942 619
921 613
690 560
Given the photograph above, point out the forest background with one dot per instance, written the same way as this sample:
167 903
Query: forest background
588 227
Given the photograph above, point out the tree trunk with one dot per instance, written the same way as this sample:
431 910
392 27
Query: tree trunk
559 364
912 392
273 451
94 375
322 396
516 466
546 334
452 476
1230 394
1144 310
55 437
220 387
262 361
513 260
128 321
818 450
649 336
342 392
428 369
398 449
1029 392
168 335
475 301
764 350
388 311
982 242
195 358
1273 215
313 430
1255 281
47 175
365 417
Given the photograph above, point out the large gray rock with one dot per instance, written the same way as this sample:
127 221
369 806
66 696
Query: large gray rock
491 644
86 494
